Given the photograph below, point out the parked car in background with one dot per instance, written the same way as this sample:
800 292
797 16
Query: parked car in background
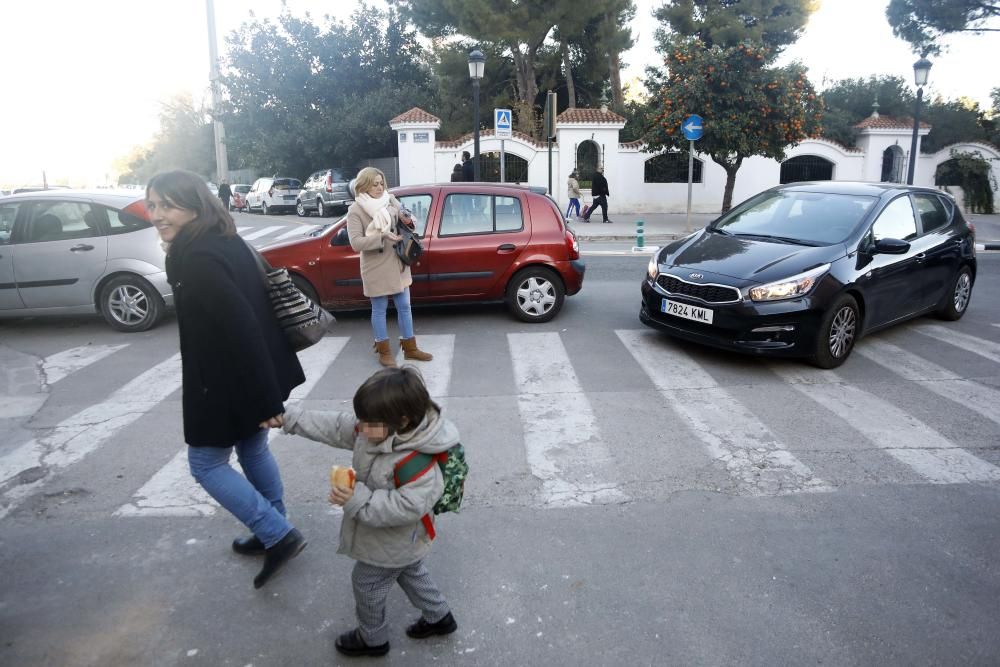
806 269
37 188
79 251
482 242
326 192
271 195
238 202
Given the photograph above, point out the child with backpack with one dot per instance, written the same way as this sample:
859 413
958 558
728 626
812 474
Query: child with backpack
408 465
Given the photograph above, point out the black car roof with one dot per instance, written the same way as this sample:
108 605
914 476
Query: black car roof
854 188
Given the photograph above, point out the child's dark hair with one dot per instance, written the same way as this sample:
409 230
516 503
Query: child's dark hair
396 397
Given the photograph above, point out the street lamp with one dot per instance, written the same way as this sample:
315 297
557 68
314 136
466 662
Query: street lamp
477 63
921 69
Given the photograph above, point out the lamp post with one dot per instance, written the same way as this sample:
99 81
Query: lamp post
921 69
477 63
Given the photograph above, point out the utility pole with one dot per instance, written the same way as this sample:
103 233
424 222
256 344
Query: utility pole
221 159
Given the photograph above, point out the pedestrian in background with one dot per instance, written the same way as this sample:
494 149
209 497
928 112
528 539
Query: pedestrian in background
456 174
237 366
225 194
599 188
468 169
573 188
383 526
383 274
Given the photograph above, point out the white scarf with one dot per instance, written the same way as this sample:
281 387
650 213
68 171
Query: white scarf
378 209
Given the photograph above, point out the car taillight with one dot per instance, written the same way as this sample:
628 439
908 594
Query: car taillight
972 228
572 245
329 183
138 209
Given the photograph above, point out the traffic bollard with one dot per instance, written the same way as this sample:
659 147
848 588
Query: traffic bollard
639 234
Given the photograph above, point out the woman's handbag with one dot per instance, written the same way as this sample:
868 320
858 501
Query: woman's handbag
303 321
408 248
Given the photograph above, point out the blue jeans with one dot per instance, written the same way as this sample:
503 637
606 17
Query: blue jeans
255 499
404 316
574 203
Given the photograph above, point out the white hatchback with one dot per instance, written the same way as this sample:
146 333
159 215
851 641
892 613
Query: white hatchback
270 195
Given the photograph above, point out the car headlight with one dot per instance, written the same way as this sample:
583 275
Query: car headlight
653 268
789 288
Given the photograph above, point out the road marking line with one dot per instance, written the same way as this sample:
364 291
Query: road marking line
172 491
733 435
59 365
261 232
977 397
982 347
240 230
78 435
901 435
436 373
564 446
297 231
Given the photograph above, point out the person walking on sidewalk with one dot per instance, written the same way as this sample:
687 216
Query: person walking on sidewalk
383 274
599 188
573 188
237 367
225 193
387 530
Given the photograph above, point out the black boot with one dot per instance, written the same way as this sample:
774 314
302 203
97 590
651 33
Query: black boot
277 556
351 643
248 546
422 628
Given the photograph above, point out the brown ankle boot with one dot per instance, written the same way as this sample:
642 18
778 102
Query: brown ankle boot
384 352
411 351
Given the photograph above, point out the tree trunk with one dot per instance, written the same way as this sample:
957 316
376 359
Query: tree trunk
570 86
617 98
731 166
527 88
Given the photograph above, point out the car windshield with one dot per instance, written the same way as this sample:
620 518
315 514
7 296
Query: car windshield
810 218
287 184
242 189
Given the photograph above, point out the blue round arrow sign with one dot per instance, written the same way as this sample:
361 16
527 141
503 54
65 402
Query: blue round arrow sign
693 127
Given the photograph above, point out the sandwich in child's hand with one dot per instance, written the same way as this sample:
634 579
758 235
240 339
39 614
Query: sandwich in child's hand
342 476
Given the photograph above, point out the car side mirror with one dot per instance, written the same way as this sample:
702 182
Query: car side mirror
891 247
340 238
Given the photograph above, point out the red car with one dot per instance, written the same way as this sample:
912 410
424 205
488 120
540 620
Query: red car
482 242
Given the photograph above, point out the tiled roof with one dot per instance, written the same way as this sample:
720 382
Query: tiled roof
465 138
888 123
589 116
415 115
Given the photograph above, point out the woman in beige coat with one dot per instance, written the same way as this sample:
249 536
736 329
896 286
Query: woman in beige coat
383 274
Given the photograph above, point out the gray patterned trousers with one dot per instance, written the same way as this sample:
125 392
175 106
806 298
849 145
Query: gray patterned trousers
371 588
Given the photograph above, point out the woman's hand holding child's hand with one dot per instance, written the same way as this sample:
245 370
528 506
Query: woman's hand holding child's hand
274 422
339 495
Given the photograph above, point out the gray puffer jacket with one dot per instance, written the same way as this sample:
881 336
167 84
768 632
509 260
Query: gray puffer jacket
381 523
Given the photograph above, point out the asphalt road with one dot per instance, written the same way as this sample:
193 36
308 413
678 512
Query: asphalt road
633 500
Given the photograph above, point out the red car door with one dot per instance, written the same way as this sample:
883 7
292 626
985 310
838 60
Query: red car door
478 236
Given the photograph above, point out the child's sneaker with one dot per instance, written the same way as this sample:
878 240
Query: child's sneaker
422 629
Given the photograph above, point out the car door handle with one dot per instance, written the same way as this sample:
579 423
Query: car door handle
506 247
920 256
81 248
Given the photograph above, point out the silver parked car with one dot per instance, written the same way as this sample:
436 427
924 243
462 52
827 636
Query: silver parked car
79 251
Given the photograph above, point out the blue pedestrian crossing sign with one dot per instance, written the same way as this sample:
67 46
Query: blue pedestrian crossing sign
692 127
501 124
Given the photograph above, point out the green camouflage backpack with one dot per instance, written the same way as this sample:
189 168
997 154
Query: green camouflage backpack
453 468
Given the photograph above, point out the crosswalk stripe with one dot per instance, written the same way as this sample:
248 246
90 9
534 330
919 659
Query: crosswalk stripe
564 446
261 232
436 373
240 230
901 435
977 397
171 491
296 231
59 365
78 435
984 348
753 456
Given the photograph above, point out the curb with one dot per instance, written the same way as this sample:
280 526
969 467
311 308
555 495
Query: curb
659 238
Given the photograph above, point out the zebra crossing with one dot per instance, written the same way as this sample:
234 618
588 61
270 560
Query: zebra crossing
564 450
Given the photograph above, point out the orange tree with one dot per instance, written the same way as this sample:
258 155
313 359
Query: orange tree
748 107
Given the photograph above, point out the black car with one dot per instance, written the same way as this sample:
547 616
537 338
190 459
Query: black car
326 192
806 269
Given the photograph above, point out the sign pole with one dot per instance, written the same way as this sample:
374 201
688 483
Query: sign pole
687 225
692 127
502 160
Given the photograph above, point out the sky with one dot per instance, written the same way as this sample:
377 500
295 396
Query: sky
84 81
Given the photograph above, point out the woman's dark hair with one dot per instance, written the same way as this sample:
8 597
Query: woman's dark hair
187 190
396 397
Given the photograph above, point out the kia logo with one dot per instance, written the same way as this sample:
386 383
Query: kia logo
695 276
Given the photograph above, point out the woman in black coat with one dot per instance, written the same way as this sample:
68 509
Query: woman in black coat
238 368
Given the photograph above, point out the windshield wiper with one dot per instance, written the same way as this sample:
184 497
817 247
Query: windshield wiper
716 230
782 239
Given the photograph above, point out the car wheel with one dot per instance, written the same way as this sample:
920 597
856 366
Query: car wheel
263 207
320 208
535 294
837 333
300 209
305 287
957 299
129 303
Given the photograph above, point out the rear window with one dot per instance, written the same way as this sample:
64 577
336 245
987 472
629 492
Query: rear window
123 221
287 184
242 189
